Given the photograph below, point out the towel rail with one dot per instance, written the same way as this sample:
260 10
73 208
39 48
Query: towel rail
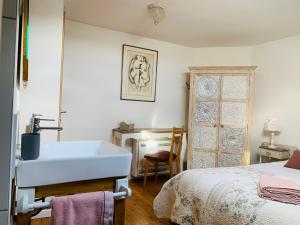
26 203
48 204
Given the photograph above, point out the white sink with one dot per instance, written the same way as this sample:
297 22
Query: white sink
73 161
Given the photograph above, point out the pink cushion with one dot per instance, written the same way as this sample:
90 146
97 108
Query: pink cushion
294 161
161 156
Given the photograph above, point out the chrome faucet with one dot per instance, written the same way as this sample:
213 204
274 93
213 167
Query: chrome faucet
35 124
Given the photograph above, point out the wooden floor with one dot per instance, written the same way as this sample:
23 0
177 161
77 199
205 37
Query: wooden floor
138 207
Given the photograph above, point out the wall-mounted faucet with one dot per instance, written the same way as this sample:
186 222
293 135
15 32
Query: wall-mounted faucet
35 124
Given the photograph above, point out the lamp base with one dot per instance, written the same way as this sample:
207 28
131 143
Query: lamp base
271 145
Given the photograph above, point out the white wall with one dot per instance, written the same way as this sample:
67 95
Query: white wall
92 80
223 56
45 46
277 89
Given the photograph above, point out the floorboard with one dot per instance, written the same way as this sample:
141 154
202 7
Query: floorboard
139 209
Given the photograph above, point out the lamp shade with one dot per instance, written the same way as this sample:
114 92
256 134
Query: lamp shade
271 125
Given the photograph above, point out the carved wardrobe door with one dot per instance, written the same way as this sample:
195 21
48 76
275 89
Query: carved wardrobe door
219 116
233 121
204 119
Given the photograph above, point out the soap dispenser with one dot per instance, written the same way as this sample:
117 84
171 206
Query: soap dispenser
30 146
30 141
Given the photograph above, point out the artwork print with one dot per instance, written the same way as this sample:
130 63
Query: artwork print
139 71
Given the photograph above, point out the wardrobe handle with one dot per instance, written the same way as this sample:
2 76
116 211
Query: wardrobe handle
222 126
215 125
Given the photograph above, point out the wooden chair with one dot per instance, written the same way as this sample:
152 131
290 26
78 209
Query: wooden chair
167 157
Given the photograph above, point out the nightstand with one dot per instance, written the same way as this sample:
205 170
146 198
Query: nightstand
278 153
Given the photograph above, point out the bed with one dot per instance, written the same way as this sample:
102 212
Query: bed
225 196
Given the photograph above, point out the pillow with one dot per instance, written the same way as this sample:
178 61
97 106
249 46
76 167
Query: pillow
294 161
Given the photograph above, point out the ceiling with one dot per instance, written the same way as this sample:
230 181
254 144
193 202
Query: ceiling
195 23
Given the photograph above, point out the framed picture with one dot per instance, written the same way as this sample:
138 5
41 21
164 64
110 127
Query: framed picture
139 73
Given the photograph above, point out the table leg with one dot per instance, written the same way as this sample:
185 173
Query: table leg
114 138
122 142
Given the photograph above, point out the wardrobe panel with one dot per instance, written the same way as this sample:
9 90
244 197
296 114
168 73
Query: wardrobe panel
205 138
235 86
206 112
227 160
207 86
233 139
203 159
234 113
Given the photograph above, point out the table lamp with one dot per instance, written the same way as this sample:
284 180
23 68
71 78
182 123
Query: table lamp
271 127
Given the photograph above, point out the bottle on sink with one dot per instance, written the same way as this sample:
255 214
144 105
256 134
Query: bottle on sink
30 146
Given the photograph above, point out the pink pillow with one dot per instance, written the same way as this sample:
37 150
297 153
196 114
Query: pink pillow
294 161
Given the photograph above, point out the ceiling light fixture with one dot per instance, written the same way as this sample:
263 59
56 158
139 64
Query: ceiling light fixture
157 13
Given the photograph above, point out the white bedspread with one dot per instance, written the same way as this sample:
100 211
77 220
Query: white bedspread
225 196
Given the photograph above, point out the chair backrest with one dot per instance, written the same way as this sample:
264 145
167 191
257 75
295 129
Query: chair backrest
176 144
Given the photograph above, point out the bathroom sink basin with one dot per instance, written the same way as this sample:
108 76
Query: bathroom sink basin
63 162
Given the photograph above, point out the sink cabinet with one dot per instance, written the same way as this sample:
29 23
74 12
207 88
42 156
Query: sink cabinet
67 168
107 184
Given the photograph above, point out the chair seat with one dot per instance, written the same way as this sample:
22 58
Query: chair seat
160 156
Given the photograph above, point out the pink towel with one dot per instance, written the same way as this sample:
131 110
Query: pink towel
279 189
108 217
95 208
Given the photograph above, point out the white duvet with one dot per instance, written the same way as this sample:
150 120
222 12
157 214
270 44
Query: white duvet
225 196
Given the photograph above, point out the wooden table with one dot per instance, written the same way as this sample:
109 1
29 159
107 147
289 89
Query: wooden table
120 137
281 152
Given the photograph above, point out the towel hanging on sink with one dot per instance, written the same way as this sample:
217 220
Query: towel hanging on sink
94 208
108 218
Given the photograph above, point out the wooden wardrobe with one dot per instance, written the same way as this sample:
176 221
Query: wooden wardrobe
219 116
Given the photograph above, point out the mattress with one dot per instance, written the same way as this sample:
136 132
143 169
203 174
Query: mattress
225 196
